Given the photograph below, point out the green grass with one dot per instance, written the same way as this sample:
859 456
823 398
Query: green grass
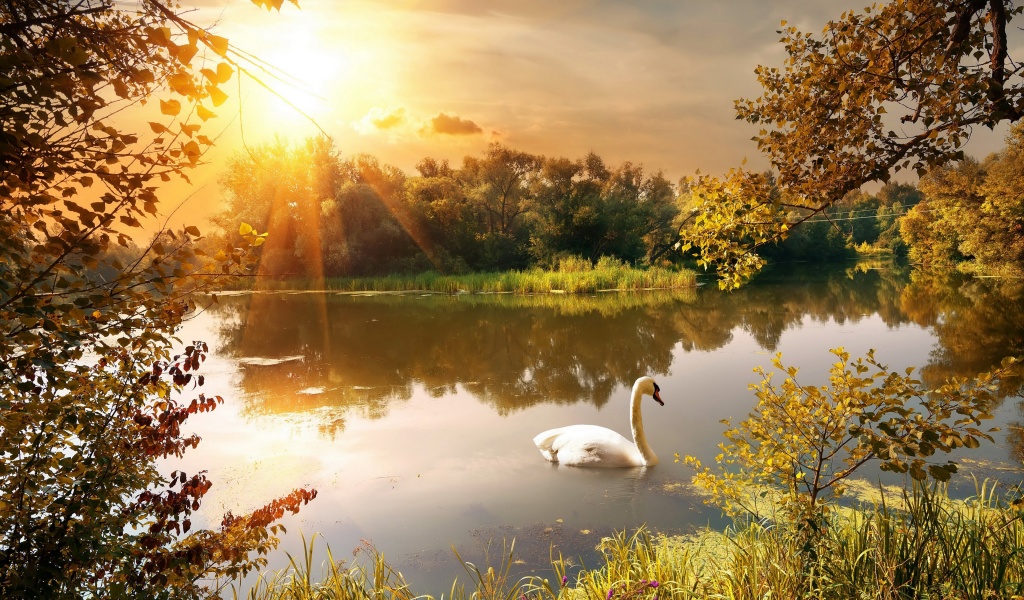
573 276
925 546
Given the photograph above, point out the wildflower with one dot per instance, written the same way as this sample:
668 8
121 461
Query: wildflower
654 583
611 592
565 579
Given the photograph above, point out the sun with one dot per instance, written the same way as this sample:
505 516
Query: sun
300 73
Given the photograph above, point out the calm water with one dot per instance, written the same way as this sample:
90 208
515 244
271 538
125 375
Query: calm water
413 416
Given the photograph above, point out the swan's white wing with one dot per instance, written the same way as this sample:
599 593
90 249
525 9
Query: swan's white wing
588 446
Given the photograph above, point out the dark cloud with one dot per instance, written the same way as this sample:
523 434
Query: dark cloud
452 125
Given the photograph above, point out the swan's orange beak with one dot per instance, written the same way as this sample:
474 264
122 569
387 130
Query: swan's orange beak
657 397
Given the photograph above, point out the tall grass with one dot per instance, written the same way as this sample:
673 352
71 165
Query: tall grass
573 276
929 547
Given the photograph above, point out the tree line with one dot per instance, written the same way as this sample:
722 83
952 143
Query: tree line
506 209
509 209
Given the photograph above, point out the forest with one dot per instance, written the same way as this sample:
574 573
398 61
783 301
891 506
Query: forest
336 216
504 210
97 387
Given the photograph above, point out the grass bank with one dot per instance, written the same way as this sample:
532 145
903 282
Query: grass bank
573 276
923 546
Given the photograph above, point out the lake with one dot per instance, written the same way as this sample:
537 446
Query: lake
413 415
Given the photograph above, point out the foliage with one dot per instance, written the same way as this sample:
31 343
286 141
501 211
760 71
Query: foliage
805 441
582 208
730 220
931 547
91 396
505 210
298 581
897 86
974 212
922 545
608 275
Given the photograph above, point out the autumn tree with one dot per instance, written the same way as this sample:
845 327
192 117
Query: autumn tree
973 213
806 442
898 86
92 393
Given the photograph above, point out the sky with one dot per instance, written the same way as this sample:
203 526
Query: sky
646 81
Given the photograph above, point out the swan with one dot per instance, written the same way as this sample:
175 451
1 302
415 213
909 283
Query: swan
594 446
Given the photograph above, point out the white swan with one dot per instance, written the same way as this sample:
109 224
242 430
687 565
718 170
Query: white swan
594 446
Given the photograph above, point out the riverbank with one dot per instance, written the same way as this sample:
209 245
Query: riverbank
917 544
571 277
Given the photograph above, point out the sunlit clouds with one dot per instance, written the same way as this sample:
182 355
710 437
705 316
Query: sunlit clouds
398 123
445 124
647 82
381 119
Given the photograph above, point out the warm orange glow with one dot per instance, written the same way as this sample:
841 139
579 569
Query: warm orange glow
303 72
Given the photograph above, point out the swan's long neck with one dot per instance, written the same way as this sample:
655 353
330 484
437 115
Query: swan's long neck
636 423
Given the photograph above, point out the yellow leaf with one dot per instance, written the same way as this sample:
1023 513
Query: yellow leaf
216 96
245 229
157 127
204 113
120 88
181 83
218 44
170 107
185 53
224 72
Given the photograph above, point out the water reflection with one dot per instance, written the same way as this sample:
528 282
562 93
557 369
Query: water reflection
977 322
511 352
413 415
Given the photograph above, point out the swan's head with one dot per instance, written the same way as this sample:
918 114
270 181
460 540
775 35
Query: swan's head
647 387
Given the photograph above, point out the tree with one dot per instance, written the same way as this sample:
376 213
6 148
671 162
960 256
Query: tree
806 441
934 229
280 187
369 227
439 199
499 187
567 198
502 180
91 394
898 86
582 208
637 213
973 213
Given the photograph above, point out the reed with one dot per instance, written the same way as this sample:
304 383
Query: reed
573 276
928 546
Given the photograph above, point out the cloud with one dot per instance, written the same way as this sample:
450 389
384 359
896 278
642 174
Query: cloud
447 124
380 119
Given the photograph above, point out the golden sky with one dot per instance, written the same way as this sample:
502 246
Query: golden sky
649 81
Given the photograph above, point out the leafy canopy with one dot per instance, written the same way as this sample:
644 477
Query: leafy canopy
91 394
898 86
806 441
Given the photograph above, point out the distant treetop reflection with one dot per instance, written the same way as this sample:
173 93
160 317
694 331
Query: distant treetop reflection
361 352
